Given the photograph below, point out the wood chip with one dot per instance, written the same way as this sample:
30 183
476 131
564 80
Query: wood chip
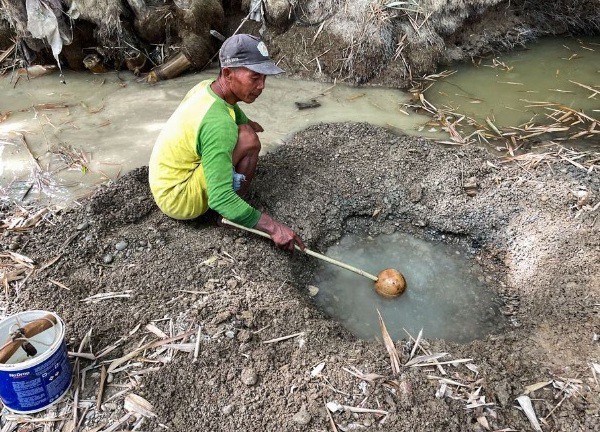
536 386
58 284
282 338
155 344
424 359
107 296
483 422
331 421
184 347
369 377
158 332
416 344
103 376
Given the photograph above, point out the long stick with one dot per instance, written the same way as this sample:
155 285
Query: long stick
307 251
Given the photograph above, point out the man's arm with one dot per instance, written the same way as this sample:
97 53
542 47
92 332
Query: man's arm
255 126
283 236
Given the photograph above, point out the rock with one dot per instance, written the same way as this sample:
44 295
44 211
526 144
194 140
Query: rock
122 245
405 394
109 406
302 417
415 193
249 376
244 336
230 334
82 226
503 394
313 290
420 223
228 409
222 317
470 186
107 259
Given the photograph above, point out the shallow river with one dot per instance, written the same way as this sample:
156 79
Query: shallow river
514 88
97 127
58 140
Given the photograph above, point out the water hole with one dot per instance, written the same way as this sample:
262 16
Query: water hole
448 293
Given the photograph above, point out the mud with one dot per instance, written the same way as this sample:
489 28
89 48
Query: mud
526 224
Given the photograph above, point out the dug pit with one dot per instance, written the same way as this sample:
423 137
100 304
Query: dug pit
449 294
268 359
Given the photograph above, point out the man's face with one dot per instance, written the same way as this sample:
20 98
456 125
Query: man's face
245 84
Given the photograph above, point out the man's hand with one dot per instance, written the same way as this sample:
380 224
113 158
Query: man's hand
255 126
283 236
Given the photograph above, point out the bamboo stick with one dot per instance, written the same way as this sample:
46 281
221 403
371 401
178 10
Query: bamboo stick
307 251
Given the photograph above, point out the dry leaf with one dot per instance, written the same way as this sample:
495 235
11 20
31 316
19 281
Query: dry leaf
525 403
536 386
389 346
317 369
139 405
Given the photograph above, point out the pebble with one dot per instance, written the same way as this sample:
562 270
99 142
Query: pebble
222 317
249 376
82 226
302 417
121 245
109 406
244 336
107 259
228 409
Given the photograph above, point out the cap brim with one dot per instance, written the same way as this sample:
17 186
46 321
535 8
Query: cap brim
265 68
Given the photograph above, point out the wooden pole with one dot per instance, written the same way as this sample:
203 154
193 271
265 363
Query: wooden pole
307 251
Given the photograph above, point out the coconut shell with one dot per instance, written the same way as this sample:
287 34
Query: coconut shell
390 283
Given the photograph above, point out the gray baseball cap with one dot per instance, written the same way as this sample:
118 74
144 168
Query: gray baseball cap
244 50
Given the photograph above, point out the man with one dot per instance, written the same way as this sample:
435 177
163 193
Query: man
208 149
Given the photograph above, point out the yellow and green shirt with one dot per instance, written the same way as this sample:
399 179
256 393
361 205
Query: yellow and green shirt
191 162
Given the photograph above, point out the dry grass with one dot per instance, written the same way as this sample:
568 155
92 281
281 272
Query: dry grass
542 139
72 158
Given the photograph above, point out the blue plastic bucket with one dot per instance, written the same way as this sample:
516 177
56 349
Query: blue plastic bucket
31 384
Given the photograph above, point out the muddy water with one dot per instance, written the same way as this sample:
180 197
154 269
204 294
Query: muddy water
59 140
504 88
95 128
447 295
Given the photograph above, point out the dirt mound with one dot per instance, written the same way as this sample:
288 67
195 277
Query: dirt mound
242 293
